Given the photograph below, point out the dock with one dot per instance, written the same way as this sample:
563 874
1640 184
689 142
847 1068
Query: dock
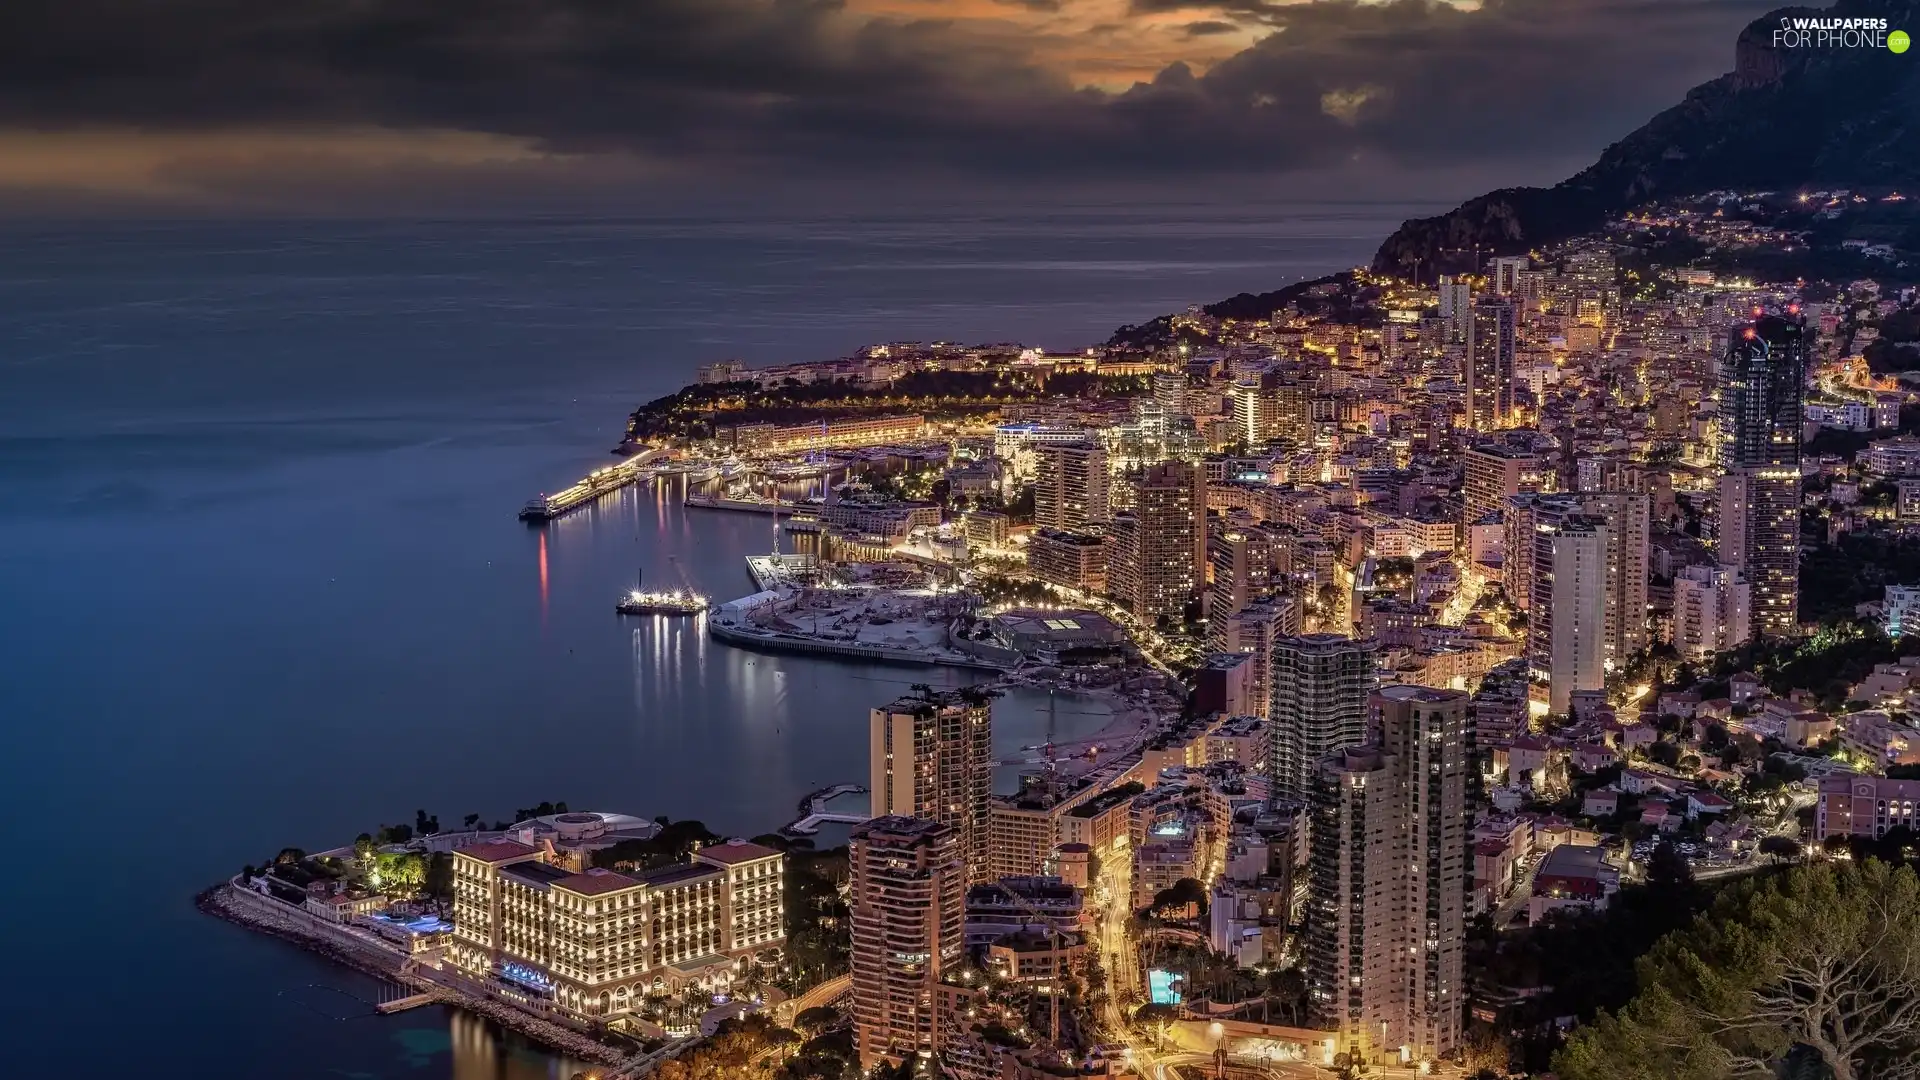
745 506
411 1001
814 813
545 508
770 572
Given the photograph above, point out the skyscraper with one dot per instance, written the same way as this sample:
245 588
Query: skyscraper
1567 622
1532 519
1388 877
1629 518
1318 685
931 756
1493 334
907 895
1170 392
1070 485
1505 273
1158 554
1255 629
1456 304
1496 471
1761 386
1710 610
1245 565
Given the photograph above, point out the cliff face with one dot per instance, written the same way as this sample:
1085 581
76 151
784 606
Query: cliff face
1782 119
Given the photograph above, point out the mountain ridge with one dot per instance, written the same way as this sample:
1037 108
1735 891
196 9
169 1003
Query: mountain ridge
1782 118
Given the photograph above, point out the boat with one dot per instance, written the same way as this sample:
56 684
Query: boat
540 508
677 602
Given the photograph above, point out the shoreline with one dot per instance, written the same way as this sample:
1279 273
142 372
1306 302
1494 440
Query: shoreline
226 902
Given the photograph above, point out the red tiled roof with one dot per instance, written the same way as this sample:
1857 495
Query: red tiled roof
493 851
735 851
596 883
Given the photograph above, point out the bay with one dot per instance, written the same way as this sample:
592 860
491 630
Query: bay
262 585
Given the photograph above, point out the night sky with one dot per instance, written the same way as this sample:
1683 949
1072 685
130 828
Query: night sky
293 105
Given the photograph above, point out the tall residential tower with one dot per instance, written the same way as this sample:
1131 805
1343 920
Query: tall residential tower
906 900
1318 686
931 756
1761 387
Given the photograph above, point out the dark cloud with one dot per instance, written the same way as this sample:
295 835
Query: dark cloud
772 86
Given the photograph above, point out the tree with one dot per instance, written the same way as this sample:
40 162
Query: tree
1821 959
1780 848
363 847
471 821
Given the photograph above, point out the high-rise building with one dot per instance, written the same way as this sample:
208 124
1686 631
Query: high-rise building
1629 518
1157 557
931 756
1268 407
1710 610
1252 424
1494 472
1318 686
1070 485
1255 630
1567 621
1245 564
906 902
1429 735
1388 879
1170 392
1070 559
1493 333
1456 304
1505 273
1762 383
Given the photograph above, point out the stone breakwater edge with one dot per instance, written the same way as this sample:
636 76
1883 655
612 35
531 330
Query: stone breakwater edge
250 910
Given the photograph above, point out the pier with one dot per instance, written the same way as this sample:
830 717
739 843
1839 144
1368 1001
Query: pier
746 506
814 813
599 482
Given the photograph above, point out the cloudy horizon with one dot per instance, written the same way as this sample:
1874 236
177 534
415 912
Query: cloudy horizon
515 105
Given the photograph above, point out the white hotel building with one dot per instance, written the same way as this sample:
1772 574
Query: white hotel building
596 943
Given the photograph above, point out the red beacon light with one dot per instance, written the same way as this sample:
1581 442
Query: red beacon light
1749 334
1793 309
1757 312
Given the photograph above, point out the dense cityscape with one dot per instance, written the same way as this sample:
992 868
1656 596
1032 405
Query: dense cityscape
1465 639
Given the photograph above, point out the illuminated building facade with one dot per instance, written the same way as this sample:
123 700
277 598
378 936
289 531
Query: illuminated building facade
1492 336
1318 686
1761 389
594 943
1388 879
1070 485
931 756
908 887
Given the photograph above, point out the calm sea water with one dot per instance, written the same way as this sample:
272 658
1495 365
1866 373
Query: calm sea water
262 584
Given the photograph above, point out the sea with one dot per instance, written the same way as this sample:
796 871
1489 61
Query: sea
262 584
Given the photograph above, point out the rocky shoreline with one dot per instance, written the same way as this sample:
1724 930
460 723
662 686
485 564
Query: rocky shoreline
222 902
